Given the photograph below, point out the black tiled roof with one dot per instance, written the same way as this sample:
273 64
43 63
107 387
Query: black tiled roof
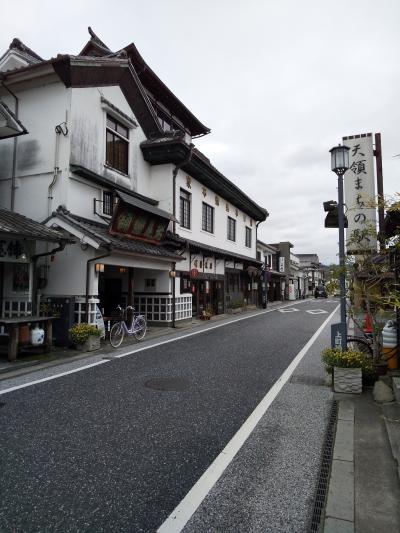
16 225
194 245
98 231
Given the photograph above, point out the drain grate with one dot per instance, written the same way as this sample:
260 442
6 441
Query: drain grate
323 479
167 384
308 380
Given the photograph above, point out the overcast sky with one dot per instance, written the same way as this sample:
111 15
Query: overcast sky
278 82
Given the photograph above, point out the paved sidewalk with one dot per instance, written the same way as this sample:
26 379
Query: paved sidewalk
364 487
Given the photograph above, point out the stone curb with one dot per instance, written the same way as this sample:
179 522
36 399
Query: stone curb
339 512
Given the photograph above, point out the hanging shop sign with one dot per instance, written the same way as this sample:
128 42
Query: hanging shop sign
194 273
13 251
359 193
137 224
281 264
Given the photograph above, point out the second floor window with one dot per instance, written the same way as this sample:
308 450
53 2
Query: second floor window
208 218
231 229
117 145
248 237
185 209
108 200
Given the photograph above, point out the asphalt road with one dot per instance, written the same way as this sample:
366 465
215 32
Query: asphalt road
103 450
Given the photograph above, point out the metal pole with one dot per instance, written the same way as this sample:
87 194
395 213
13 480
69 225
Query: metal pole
342 278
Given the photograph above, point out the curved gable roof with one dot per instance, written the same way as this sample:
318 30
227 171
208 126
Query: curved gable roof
156 88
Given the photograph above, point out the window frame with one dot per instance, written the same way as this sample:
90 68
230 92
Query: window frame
113 156
231 229
185 199
248 237
109 203
207 218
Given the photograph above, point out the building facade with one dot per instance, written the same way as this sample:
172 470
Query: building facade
314 273
112 164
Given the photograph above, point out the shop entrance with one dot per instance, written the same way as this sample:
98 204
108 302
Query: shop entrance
112 296
113 289
207 294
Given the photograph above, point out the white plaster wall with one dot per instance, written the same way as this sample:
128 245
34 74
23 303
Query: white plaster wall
162 280
161 185
136 262
41 108
67 273
219 238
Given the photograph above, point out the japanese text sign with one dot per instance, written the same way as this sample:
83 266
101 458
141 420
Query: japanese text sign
359 194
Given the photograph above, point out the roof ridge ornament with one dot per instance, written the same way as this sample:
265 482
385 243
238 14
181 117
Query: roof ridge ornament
96 39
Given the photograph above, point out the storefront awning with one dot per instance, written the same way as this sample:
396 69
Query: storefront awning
138 204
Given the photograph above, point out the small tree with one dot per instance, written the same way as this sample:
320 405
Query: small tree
371 277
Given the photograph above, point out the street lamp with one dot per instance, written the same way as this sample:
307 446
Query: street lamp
339 165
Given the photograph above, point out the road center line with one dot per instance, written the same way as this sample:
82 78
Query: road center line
139 349
191 502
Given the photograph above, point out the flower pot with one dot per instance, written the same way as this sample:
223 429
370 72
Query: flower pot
91 344
347 380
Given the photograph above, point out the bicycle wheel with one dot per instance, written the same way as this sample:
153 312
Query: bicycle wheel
360 345
117 335
140 328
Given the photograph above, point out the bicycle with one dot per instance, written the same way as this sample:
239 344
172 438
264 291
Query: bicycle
361 344
137 328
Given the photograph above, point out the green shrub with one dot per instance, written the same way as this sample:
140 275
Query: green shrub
80 333
235 304
332 357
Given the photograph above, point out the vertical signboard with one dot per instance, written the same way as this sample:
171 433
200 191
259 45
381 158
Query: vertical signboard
281 264
359 193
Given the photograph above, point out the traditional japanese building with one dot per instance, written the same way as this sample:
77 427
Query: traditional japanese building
111 163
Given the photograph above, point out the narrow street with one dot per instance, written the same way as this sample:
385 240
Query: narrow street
116 447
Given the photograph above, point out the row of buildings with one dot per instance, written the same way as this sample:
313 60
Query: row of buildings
105 199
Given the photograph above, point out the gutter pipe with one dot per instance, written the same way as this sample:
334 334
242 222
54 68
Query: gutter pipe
174 174
35 258
14 158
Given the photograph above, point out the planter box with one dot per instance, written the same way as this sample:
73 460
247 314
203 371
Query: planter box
92 344
234 311
347 380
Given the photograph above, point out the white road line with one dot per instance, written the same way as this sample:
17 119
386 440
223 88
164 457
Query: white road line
191 502
316 311
139 349
290 310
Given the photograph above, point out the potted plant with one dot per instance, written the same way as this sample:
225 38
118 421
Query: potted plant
86 337
348 367
207 313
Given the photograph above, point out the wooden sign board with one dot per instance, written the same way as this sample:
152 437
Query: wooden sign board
137 224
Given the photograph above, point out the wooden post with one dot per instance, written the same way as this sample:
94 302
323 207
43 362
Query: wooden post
13 342
48 335
379 184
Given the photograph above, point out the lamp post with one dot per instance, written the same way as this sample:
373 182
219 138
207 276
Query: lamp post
339 165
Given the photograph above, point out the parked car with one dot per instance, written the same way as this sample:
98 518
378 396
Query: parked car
320 292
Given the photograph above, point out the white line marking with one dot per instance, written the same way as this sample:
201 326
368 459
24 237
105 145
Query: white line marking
191 502
139 349
316 311
30 383
290 310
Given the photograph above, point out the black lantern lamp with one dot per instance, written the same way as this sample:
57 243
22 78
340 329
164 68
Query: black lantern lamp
339 159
